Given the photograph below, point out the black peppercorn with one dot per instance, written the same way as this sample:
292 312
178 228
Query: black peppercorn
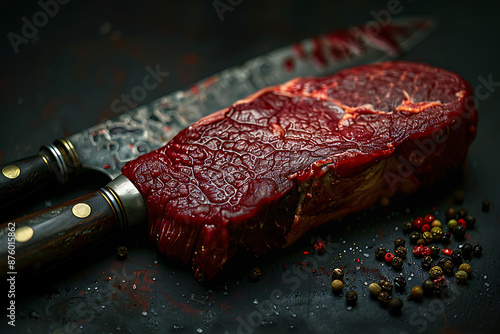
427 262
458 197
470 221
462 213
477 250
351 297
399 283
255 274
407 227
428 287
448 267
435 252
485 206
385 285
466 250
395 305
459 232
451 213
445 240
121 253
440 289
441 262
414 237
380 253
337 273
397 263
457 257
400 252
383 298
399 242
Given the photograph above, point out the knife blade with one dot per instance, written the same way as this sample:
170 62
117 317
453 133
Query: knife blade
51 236
106 147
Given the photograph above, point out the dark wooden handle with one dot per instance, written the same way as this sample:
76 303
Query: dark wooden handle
40 240
24 177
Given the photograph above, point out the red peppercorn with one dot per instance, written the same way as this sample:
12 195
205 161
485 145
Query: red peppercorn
429 218
417 250
319 246
425 228
439 279
462 222
388 257
426 251
446 251
418 222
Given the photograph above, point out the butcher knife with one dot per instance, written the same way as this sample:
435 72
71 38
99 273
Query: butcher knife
52 235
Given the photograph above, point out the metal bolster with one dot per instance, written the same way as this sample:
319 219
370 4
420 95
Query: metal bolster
126 201
65 156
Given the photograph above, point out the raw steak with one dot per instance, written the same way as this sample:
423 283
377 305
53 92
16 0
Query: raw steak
260 173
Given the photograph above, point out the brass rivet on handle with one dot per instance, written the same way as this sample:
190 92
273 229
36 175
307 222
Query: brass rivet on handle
23 234
11 171
81 210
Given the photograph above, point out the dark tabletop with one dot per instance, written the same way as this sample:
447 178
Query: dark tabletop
64 77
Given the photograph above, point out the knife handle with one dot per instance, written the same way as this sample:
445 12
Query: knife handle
53 165
46 238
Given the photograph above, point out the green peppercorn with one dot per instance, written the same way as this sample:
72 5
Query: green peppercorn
435 272
383 298
374 289
337 273
416 293
400 252
451 213
452 223
428 287
448 267
351 297
407 227
427 236
414 237
437 233
435 250
436 223
337 286
399 283
461 276
395 305
427 262
465 267
380 253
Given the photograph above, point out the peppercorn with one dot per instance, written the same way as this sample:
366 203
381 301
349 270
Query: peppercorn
399 283
440 288
337 273
446 251
461 276
428 287
458 197
446 239
435 272
417 251
397 263
466 250
425 227
385 285
457 257
400 252
441 262
428 218
383 298
459 232
485 205
470 221
427 262
448 267
418 222
319 247
436 223
399 242
351 297
374 289
452 223
451 213
407 227
435 252
462 213
388 257
255 274
337 286
437 233
421 241
414 237
427 236
380 253
416 293
477 250
465 267
426 251
395 305
461 221
121 253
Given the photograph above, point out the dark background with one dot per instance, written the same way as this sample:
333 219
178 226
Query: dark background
89 53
